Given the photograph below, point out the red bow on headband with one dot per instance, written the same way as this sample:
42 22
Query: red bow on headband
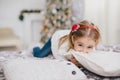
75 27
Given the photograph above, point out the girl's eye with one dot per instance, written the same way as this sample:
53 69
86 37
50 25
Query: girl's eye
90 47
80 45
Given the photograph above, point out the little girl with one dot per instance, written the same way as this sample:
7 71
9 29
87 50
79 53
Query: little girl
83 37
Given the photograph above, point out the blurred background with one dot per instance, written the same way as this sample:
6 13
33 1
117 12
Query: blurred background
34 21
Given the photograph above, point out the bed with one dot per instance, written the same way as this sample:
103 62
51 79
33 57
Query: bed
20 57
21 65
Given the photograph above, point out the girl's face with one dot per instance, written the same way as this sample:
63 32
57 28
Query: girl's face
84 44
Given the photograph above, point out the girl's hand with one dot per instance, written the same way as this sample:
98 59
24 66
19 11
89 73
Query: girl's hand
74 61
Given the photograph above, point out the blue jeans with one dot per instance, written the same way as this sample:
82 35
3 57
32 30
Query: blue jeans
44 51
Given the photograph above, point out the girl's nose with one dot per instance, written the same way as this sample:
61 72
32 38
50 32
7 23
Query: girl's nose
85 50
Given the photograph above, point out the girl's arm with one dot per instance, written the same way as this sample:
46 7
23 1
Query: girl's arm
74 61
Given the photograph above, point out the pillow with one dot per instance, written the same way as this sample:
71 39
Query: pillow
41 69
100 62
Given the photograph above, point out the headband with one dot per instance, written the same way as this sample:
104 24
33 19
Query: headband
75 27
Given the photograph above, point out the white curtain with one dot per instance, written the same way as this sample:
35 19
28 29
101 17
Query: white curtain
105 13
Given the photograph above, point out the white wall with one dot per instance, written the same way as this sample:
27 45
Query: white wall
105 13
10 11
114 21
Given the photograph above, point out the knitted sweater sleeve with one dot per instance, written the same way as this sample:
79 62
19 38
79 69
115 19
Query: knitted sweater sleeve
61 52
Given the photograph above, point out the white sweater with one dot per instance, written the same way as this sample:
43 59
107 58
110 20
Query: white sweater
60 53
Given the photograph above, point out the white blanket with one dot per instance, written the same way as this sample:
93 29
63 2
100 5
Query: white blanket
41 69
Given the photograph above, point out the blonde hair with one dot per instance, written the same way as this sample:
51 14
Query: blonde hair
81 32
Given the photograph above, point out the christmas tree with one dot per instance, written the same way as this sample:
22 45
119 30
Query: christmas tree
58 15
